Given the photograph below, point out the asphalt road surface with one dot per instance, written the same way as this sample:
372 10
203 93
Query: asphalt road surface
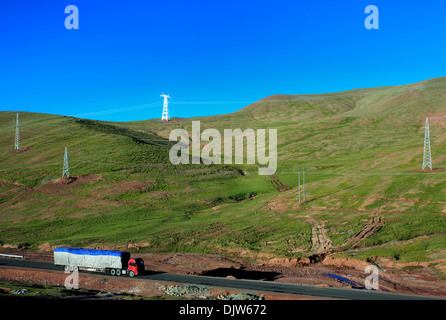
254 285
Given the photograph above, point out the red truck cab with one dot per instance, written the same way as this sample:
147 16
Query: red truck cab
136 267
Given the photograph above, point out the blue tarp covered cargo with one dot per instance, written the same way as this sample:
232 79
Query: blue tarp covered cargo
91 258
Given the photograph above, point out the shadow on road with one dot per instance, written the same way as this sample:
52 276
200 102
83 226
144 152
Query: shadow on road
242 274
151 272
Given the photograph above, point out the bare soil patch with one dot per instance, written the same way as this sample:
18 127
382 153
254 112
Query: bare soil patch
321 243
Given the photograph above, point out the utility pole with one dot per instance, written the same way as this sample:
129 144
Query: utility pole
301 188
427 157
165 115
298 177
17 134
66 170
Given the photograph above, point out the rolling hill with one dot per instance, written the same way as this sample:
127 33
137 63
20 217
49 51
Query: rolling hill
366 196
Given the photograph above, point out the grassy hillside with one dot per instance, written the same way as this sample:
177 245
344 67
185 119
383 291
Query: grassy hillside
365 194
123 187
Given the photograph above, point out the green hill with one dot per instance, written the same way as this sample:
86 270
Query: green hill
366 196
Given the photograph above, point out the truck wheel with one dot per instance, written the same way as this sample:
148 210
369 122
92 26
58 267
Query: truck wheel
131 274
118 272
112 272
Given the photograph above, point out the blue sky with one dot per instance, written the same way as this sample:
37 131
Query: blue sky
212 57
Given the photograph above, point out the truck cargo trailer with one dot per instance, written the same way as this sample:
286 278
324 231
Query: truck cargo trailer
109 261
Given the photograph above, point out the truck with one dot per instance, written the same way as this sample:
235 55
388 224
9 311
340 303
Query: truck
113 262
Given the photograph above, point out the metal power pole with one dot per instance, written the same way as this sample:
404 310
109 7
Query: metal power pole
66 170
301 188
427 157
165 115
298 177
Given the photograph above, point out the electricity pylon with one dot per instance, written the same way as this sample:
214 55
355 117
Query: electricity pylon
165 115
17 134
66 170
427 157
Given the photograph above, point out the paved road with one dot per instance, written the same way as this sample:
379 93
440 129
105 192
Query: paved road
254 285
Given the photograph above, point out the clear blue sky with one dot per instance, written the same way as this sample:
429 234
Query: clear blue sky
126 53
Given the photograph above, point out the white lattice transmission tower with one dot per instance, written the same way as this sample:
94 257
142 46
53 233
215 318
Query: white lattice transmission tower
17 134
165 115
66 169
427 156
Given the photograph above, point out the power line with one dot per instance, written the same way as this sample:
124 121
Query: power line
131 108
212 102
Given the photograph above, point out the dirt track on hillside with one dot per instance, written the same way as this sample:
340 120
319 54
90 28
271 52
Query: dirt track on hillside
369 229
321 243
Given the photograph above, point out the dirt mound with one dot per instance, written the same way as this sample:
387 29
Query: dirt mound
62 185
78 179
22 149
287 262
345 263
45 247
277 206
